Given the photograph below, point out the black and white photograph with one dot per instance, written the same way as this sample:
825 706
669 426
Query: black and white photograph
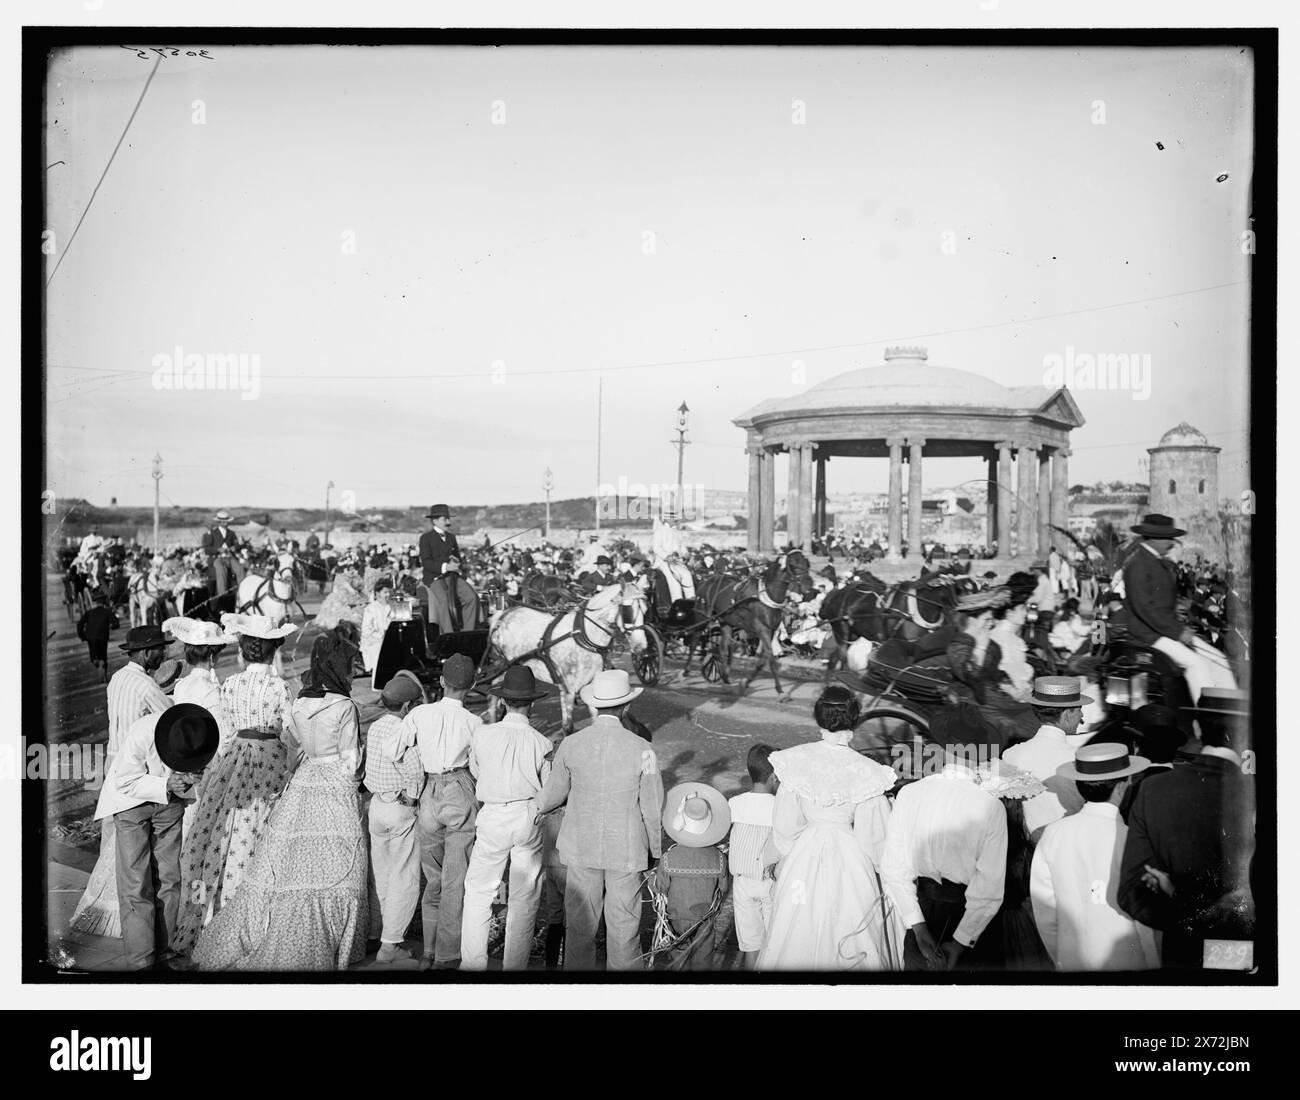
732 508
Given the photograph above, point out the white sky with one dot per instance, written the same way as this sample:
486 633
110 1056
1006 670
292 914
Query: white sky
523 243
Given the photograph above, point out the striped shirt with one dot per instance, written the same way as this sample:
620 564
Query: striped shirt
257 699
751 848
388 768
132 693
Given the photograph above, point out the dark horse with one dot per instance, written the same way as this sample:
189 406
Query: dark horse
914 612
544 590
754 604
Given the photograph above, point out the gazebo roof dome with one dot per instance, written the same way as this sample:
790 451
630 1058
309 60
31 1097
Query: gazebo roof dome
1184 435
907 379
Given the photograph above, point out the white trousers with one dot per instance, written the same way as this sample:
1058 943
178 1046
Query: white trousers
1203 666
504 831
395 858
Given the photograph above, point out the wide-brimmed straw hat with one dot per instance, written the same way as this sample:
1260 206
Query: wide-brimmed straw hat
1102 761
1156 526
255 626
1058 691
609 689
196 631
222 515
696 815
186 737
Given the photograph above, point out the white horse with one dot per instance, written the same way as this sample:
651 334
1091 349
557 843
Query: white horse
518 631
146 598
270 596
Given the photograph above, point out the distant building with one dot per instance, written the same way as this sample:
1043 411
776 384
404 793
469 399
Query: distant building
1185 485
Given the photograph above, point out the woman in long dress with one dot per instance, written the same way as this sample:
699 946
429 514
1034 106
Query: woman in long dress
303 904
828 824
242 784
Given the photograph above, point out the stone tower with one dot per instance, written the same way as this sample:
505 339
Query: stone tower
1185 485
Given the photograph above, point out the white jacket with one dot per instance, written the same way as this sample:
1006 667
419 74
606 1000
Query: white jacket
137 774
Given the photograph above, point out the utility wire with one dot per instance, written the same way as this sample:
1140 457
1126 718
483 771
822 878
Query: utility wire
73 237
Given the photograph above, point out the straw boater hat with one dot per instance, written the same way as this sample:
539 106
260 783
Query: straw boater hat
609 689
255 626
1156 526
223 516
1058 691
186 737
1102 761
196 632
696 815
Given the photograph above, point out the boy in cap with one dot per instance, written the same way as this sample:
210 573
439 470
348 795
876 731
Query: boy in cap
93 628
448 809
510 761
692 878
395 779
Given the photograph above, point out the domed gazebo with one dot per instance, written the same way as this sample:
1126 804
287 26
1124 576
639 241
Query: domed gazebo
877 412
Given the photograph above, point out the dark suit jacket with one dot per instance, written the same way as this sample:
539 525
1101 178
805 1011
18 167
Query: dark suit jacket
1150 594
435 551
1193 822
214 540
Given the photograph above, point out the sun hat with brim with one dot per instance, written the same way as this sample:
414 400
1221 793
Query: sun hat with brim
1102 761
1229 702
1058 691
144 637
196 631
519 685
609 689
696 815
255 626
186 737
1156 526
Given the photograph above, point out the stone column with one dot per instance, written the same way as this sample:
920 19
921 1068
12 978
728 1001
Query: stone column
1026 500
1006 494
793 505
754 539
895 446
1044 501
991 501
914 497
807 496
767 500
1061 495
819 512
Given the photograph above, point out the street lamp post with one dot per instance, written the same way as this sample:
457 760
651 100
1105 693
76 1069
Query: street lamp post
157 480
328 487
681 444
548 483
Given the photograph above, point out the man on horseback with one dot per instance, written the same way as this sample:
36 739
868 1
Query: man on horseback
452 603
1151 598
220 543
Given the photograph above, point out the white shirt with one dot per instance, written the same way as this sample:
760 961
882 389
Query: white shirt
1073 886
132 693
945 827
509 760
137 774
201 686
1014 662
1041 755
442 730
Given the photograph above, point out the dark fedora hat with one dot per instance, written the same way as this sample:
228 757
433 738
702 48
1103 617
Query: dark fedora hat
519 685
1156 526
1228 702
144 637
437 510
186 737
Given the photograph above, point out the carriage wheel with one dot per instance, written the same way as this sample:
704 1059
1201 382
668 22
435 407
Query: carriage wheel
649 662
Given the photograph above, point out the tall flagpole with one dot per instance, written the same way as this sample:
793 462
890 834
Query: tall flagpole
600 404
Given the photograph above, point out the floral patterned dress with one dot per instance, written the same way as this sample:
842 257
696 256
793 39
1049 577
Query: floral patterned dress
235 799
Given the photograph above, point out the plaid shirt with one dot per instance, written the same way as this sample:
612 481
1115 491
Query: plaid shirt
388 767
258 699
